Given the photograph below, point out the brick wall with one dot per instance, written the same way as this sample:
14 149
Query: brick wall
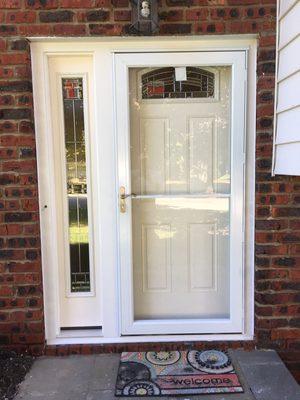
278 199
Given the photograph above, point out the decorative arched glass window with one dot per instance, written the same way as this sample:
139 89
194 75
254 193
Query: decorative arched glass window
182 82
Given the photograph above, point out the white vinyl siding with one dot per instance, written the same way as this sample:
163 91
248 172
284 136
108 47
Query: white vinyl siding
287 108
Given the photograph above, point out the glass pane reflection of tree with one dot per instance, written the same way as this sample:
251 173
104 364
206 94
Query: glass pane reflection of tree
76 184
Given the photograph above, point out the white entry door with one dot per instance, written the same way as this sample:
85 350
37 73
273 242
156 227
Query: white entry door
180 125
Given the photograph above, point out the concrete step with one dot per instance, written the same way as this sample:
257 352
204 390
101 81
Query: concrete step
262 373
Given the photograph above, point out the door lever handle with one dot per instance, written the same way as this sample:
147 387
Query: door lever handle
123 196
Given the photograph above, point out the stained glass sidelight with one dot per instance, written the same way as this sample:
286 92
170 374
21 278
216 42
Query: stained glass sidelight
161 83
76 184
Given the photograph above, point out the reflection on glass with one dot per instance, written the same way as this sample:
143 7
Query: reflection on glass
181 258
76 184
180 173
163 83
181 145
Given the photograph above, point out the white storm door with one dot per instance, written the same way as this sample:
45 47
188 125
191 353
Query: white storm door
180 130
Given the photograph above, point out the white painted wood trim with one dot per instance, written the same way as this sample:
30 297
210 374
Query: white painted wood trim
107 196
93 339
286 140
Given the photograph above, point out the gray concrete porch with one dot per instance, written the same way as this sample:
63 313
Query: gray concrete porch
262 374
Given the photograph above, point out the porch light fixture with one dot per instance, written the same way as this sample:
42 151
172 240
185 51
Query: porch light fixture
144 17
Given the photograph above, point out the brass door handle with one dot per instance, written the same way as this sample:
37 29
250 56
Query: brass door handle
122 198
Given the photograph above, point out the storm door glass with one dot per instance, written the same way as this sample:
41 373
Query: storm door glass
75 153
180 180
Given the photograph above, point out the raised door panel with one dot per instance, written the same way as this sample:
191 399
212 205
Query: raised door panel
202 256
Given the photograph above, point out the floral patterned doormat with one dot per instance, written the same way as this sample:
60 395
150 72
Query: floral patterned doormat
166 373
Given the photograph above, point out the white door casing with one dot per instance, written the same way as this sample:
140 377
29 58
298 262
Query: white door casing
105 188
168 306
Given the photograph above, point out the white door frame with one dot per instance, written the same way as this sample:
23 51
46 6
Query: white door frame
106 191
237 61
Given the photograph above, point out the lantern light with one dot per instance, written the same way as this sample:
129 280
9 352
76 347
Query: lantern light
144 17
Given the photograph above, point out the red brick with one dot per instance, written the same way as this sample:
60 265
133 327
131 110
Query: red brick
14 229
196 14
13 59
264 150
242 2
7 153
38 4
30 205
12 205
270 249
23 71
223 13
6 100
2 44
8 30
24 100
28 338
265 110
19 267
120 3
27 278
6 291
69 30
295 276
288 310
6 72
210 28
31 30
276 298
105 29
12 255
286 333
103 3
266 82
267 40
20 17
243 26
77 3
31 229
24 165
272 199
125 15
7 4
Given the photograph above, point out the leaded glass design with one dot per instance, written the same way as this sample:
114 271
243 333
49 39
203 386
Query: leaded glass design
76 184
161 83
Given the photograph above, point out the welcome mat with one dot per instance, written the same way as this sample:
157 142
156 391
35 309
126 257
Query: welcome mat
166 373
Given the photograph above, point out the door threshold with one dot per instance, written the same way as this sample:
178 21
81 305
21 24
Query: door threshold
96 337
79 333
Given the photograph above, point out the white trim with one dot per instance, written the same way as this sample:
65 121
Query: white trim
93 339
105 197
235 41
283 99
275 90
